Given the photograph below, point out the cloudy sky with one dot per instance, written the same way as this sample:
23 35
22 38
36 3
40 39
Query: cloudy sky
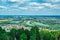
29 7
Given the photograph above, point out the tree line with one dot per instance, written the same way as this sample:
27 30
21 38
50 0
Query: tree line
34 34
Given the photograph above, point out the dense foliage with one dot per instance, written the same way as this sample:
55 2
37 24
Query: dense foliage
25 34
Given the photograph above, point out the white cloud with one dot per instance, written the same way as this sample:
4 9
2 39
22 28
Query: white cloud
23 8
35 5
52 0
52 6
13 0
3 0
3 7
31 5
16 1
20 1
55 0
55 7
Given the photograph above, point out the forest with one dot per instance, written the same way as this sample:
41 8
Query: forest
24 34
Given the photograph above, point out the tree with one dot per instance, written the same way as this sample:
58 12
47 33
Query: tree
13 34
46 35
19 32
54 35
58 37
35 35
27 32
2 34
23 36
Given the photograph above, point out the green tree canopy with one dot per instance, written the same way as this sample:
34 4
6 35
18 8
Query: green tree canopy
23 36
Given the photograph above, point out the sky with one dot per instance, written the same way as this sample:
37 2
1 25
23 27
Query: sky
29 7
